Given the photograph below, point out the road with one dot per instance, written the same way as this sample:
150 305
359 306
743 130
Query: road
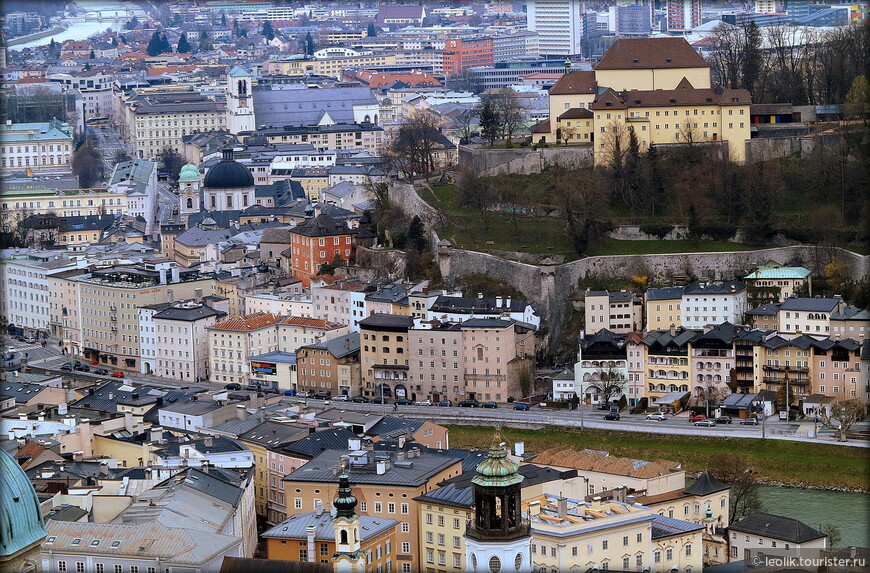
109 141
167 202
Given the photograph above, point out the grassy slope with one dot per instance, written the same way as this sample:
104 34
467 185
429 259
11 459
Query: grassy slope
794 463
544 235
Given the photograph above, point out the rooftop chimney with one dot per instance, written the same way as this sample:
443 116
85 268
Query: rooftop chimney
163 276
318 507
241 414
479 295
176 275
673 330
309 534
562 508
519 449
507 303
498 301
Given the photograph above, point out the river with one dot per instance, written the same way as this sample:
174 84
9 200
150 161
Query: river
849 511
113 14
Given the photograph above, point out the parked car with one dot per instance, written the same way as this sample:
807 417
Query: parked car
749 422
521 406
82 368
117 374
289 392
705 423
95 362
470 403
444 403
302 394
723 420
489 405
322 395
68 366
233 386
360 400
100 371
252 388
9 356
604 406
697 417
658 416
423 403
403 402
340 398
611 416
379 400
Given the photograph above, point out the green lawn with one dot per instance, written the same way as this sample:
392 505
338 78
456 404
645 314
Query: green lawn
543 235
779 461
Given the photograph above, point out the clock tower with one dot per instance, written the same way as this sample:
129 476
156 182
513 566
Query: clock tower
240 101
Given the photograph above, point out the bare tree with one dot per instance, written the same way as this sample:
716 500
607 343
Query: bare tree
463 126
415 143
841 416
726 58
735 472
690 134
566 133
614 144
612 383
88 164
510 111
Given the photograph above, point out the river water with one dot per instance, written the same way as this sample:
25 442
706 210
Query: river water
849 511
113 14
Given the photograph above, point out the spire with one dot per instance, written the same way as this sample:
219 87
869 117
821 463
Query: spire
345 501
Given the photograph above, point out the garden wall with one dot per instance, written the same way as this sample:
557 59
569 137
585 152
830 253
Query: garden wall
524 160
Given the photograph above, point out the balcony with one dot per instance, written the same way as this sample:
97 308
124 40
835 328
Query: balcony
795 369
781 381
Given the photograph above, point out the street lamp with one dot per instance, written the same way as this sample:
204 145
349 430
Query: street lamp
787 403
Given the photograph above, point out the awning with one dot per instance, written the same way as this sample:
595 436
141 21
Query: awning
670 398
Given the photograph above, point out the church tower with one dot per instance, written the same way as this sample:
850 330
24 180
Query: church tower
348 557
498 539
189 191
240 101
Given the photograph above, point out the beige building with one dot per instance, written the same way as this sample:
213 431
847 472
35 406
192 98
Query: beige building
297 331
384 356
619 312
18 204
108 307
662 306
330 366
233 341
495 354
436 362
330 136
651 64
154 118
327 66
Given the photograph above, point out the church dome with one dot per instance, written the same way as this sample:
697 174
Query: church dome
20 515
189 172
228 174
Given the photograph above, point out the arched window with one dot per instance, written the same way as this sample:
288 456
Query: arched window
243 87
343 537
367 119
189 203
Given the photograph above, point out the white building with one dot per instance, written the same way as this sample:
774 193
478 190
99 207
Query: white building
295 304
182 340
194 415
233 341
296 331
705 303
619 312
240 103
26 289
37 146
96 87
137 179
148 337
559 26
762 534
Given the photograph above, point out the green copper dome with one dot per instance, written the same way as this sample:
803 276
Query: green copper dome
189 172
497 470
20 516
345 502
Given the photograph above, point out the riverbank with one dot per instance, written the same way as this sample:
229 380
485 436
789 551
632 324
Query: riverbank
36 36
775 462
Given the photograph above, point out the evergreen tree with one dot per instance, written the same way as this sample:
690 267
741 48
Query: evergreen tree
223 19
489 122
372 32
115 41
164 44
53 50
154 44
235 27
267 31
92 55
752 57
416 237
183 44
205 43
176 20
656 184
309 46
132 23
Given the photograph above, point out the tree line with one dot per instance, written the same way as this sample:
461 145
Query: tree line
791 64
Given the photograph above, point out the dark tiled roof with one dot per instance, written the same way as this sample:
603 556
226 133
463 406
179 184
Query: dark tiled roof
273 434
810 304
316 443
463 304
769 309
341 346
705 485
666 526
580 82
650 53
667 293
777 527
414 473
728 287
189 312
322 226
389 425
382 320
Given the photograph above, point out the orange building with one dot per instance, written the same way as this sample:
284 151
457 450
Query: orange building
318 241
351 542
414 78
465 53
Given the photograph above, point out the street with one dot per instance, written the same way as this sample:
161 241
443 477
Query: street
108 141
167 202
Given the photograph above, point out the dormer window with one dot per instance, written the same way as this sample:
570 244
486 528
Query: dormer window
668 60
77 541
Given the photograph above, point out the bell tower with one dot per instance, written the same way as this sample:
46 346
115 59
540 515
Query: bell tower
348 557
189 191
498 538
240 101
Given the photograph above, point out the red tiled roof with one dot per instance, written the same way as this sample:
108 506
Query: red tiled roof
541 127
650 53
311 322
582 82
683 95
249 322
